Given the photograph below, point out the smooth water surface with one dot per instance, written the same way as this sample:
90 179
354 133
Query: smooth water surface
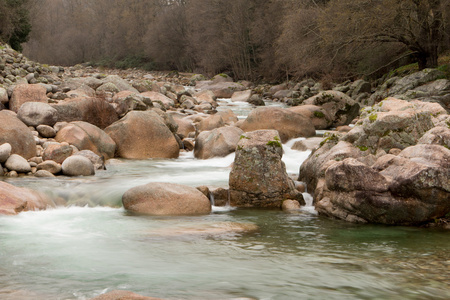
95 246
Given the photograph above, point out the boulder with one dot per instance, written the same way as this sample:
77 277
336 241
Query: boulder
77 165
241 96
228 116
290 205
43 174
439 135
288 124
17 163
185 126
217 143
143 134
210 123
159 98
317 115
126 101
17 134
258 177
46 131
409 189
340 107
3 96
92 110
220 89
99 162
14 200
37 113
86 136
391 124
166 199
50 166
120 83
5 152
27 93
206 96
307 144
57 152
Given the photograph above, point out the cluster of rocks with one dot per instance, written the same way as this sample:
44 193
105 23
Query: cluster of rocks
393 167
69 121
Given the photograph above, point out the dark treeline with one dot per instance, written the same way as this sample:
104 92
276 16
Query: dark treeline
250 39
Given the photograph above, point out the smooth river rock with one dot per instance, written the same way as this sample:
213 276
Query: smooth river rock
78 166
162 199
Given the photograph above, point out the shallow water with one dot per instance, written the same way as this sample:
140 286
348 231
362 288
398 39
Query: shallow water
80 252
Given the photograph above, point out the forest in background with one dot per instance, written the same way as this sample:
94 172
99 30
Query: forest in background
269 40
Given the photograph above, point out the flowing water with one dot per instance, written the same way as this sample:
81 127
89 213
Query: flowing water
95 246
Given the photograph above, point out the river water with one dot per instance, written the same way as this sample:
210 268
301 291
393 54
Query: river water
95 246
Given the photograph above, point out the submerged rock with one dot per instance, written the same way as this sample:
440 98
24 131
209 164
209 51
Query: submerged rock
258 177
122 295
166 199
14 200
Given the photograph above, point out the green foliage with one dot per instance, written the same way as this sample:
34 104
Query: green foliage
15 25
446 70
331 138
404 70
372 117
275 143
319 114
363 148
243 137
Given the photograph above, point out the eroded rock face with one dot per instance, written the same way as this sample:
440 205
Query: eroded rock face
17 134
86 136
288 123
359 183
258 177
166 199
393 123
14 200
143 134
408 189
217 143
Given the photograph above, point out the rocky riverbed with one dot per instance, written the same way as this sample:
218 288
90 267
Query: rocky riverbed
391 166
384 156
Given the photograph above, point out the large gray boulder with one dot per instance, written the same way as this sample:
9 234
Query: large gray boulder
258 177
37 113
166 199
